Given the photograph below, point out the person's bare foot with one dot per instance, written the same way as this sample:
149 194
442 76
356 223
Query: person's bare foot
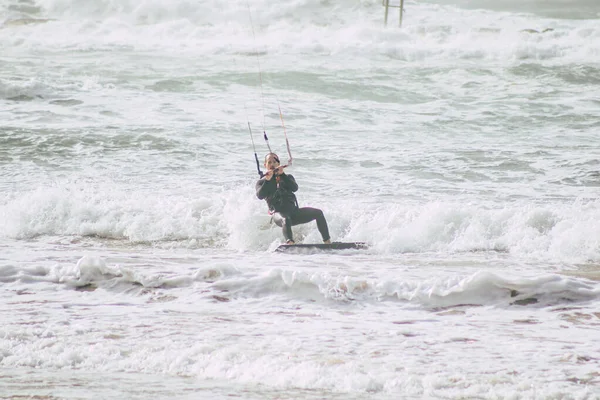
290 242
328 241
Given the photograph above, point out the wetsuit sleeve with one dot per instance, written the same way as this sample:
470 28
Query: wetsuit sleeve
289 182
265 188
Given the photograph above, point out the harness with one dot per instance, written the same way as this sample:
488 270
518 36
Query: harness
277 198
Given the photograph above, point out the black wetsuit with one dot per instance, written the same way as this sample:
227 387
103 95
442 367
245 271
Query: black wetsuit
279 194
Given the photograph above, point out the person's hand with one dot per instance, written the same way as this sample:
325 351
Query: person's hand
270 174
273 172
278 170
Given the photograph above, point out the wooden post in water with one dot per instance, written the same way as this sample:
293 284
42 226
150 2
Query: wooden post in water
401 10
386 4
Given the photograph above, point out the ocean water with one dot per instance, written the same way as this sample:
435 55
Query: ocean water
136 261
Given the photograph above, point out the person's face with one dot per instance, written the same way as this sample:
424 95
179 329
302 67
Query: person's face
271 162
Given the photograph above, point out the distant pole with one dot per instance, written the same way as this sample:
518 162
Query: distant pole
401 10
387 6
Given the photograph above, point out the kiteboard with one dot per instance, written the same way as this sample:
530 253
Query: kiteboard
323 246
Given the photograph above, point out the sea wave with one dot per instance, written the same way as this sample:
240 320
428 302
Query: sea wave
226 283
564 232
303 27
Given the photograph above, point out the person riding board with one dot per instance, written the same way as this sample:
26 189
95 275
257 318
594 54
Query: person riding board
277 188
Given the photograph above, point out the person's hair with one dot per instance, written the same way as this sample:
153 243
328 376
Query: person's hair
275 156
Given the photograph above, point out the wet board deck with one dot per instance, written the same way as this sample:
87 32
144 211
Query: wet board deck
322 246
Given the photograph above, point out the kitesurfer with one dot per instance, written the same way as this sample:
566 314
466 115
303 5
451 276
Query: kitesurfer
277 188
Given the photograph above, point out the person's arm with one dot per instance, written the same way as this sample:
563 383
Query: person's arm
289 182
265 188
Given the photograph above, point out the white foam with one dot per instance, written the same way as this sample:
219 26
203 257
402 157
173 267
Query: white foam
270 328
233 218
106 213
431 32
559 233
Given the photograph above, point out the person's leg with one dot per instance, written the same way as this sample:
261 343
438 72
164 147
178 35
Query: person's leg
286 226
307 214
